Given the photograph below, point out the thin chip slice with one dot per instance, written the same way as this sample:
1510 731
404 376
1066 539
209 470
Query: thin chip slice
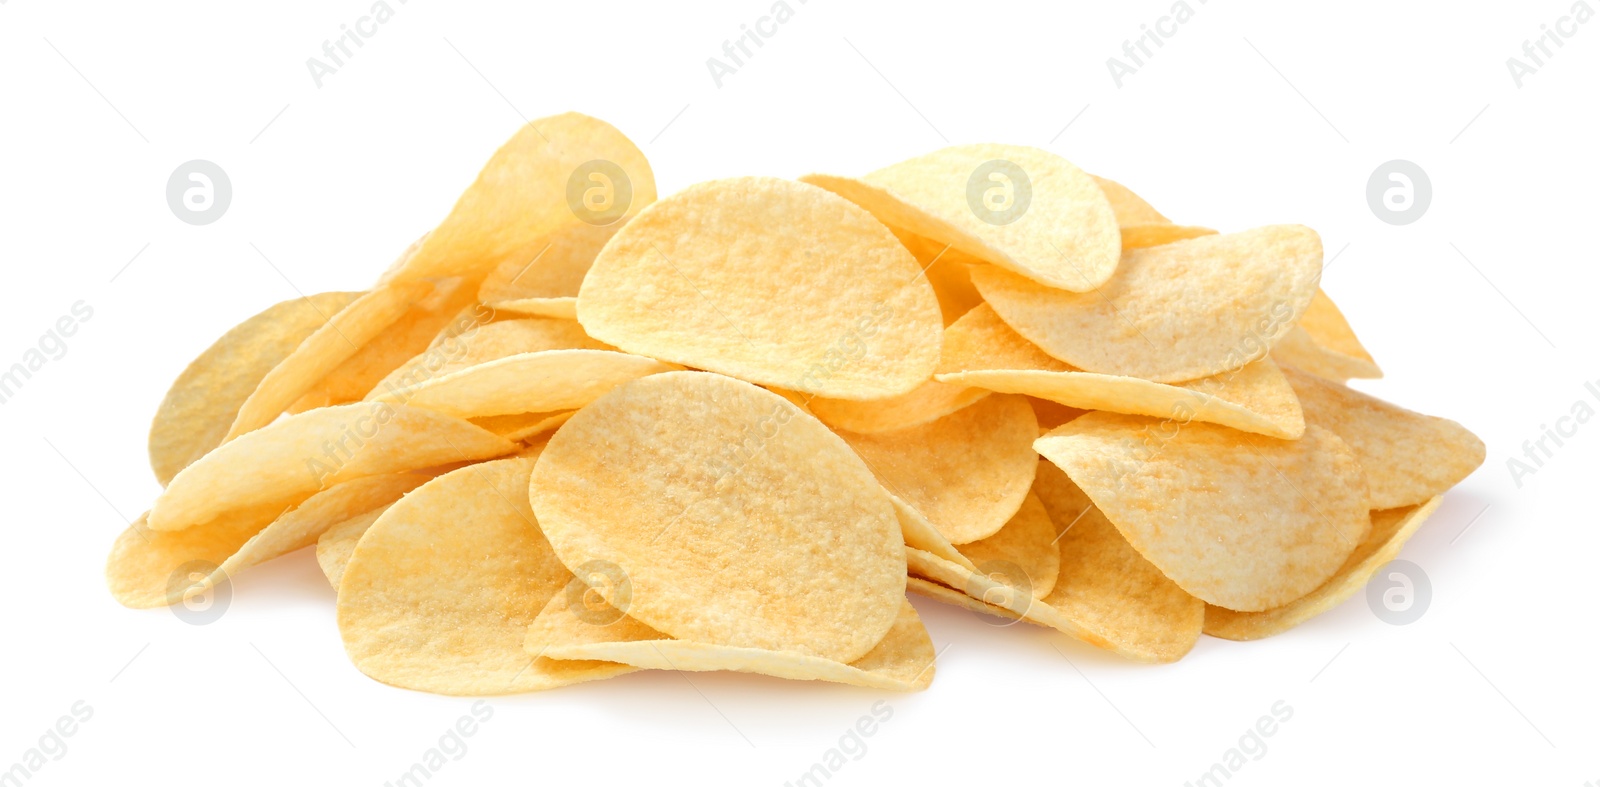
323 351
552 170
480 343
739 519
769 281
967 472
440 590
527 382
449 309
560 308
1141 224
1176 312
1391 530
981 351
338 542
1025 548
924 404
556 270
524 426
945 268
201 404
1024 209
949 595
294 458
145 565
1408 457
1238 520
1329 329
902 661
919 533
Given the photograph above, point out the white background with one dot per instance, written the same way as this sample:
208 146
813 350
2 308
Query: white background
1252 113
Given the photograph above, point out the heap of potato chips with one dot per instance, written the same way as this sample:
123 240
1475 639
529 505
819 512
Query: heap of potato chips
574 431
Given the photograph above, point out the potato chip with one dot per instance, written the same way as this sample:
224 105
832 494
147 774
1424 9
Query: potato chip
559 308
338 542
1391 530
481 342
739 519
983 352
195 414
1408 457
1239 520
144 567
967 472
527 382
1027 542
449 309
768 281
294 458
1024 209
523 426
350 329
1141 224
940 592
919 533
1052 414
555 270
1177 312
945 268
440 590
924 404
902 661
1329 329
551 171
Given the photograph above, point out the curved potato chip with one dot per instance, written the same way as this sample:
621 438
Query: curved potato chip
1024 209
556 269
1027 542
1329 329
926 403
1239 520
144 567
1141 224
1408 457
450 309
1176 312
479 343
527 382
294 458
535 184
983 352
902 661
338 542
558 308
522 426
769 281
1160 235
1391 530
340 338
1299 350
440 590
945 268
967 472
939 592
739 519
919 533
201 404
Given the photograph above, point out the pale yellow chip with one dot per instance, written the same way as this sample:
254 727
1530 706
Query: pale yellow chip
770 281
945 268
1024 548
902 661
338 542
201 404
440 590
555 270
524 426
940 592
919 533
1177 312
1408 457
1238 520
1391 530
739 519
337 340
527 382
294 458
983 352
450 308
926 403
967 472
1329 329
559 308
550 172
478 342
1024 209
152 568
1141 224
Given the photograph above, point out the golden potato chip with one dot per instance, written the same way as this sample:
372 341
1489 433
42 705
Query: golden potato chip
1160 235
440 590
1028 542
939 592
902 661
527 382
338 542
1239 520
481 342
983 352
1329 329
739 519
769 281
555 270
1391 530
449 309
1141 224
967 472
1024 209
919 533
350 329
152 568
926 403
201 404
945 268
1177 312
523 426
551 171
1408 457
559 308
294 458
